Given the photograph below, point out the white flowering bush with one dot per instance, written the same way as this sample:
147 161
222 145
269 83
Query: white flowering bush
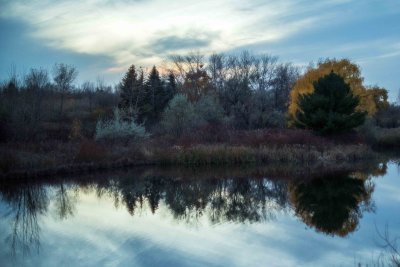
117 128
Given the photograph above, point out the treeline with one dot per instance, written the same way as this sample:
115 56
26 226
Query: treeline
235 91
188 95
42 105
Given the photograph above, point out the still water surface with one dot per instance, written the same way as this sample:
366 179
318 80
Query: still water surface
214 217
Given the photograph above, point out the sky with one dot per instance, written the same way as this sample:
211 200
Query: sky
103 37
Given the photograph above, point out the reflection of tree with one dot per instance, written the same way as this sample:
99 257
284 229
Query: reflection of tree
64 201
390 244
250 200
27 202
221 200
332 204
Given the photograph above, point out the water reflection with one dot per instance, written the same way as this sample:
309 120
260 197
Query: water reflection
331 203
65 200
26 203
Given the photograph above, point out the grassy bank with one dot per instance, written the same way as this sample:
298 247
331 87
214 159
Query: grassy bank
85 156
231 155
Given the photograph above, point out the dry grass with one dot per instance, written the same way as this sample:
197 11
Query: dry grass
57 157
222 154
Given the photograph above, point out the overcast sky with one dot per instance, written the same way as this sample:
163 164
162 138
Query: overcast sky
103 37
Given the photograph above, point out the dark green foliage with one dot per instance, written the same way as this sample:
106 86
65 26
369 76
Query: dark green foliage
131 92
143 100
170 88
156 98
331 108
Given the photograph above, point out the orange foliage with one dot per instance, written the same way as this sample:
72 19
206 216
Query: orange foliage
371 100
197 83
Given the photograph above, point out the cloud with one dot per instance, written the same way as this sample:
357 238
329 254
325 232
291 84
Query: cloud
145 32
176 43
125 30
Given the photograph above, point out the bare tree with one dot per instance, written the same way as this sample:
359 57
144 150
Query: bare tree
89 89
265 68
182 65
391 245
63 76
217 68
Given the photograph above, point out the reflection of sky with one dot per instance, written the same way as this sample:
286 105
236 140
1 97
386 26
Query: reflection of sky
101 235
103 37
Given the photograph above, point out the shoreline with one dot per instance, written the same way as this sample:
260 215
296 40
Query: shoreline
201 155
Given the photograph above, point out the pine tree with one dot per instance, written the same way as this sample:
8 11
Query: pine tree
127 89
132 94
171 88
330 108
155 95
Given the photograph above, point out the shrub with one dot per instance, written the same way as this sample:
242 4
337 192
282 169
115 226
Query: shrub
388 117
89 151
388 137
209 110
118 128
179 117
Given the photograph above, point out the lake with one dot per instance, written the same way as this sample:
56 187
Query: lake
232 216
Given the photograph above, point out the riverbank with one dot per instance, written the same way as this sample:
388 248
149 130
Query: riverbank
247 148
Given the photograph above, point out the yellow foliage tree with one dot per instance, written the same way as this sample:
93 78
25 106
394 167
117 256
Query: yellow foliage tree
371 100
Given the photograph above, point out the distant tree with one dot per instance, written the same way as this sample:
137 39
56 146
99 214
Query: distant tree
24 110
179 117
170 87
155 97
128 89
197 83
63 76
208 110
284 79
182 65
216 67
36 82
89 89
331 108
398 98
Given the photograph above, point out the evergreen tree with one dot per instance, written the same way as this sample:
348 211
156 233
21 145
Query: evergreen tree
171 88
331 108
127 89
155 96
132 93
